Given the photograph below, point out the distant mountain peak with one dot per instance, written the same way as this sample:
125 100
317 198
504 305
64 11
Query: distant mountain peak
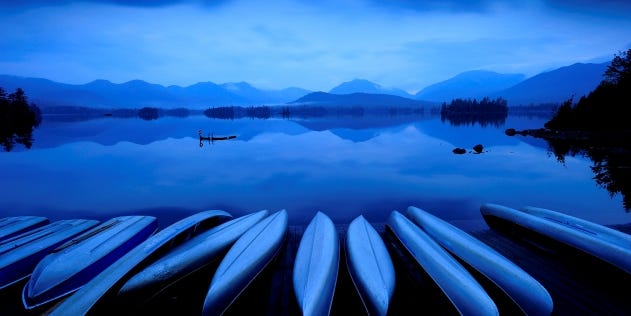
237 86
356 85
137 83
100 81
485 74
366 86
556 85
204 84
356 99
469 84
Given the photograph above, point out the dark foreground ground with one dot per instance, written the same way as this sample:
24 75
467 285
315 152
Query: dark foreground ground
578 284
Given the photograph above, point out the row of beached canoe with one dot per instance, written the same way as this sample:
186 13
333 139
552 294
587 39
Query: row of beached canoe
74 267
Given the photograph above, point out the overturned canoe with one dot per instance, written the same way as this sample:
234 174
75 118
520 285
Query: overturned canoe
84 300
187 258
602 242
244 261
464 292
16 225
20 254
316 266
531 297
77 261
370 266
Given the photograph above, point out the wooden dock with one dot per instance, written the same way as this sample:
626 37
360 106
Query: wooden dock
578 283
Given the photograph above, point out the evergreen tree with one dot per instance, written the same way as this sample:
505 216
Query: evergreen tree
17 119
606 107
619 71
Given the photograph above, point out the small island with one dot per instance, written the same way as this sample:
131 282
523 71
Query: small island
471 111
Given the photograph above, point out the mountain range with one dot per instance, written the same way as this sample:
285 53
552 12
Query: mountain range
553 86
548 87
366 100
138 93
556 86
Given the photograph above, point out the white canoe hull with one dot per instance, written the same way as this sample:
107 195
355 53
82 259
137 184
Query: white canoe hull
460 287
244 261
316 266
187 258
74 263
83 300
370 266
16 225
523 289
20 254
599 241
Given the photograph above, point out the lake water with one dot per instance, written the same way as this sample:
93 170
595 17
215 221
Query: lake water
345 167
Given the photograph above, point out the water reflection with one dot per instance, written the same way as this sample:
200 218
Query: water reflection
611 164
487 119
212 138
344 166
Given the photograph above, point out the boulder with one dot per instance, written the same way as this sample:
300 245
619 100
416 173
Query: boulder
478 148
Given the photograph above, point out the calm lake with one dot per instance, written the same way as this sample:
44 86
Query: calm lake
343 166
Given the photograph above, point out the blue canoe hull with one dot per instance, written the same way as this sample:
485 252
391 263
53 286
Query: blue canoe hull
316 266
186 258
370 266
244 261
460 287
76 262
92 293
529 295
16 225
604 243
20 254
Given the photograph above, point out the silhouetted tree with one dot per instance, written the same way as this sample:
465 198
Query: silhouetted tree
602 120
17 119
148 113
262 112
564 117
606 108
470 111
619 71
224 112
286 113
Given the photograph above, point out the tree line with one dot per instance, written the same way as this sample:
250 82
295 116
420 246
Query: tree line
470 111
305 111
598 127
18 117
603 109
465 106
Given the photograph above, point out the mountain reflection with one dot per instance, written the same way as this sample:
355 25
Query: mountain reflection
611 165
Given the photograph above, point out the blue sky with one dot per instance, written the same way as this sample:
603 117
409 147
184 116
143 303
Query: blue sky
310 44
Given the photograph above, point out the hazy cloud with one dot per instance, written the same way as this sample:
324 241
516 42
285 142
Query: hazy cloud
612 7
314 45
130 3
